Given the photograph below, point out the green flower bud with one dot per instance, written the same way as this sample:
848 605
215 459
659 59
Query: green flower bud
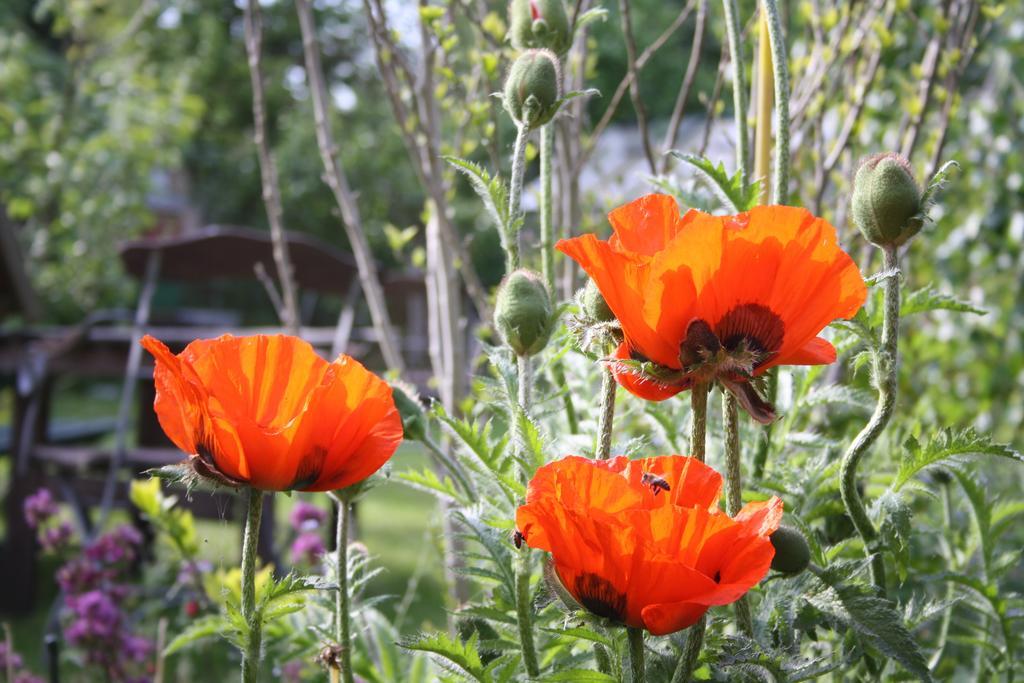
593 304
523 312
414 418
886 204
539 24
532 88
792 554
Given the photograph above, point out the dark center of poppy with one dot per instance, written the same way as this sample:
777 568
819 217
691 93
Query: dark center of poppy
310 467
752 328
598 596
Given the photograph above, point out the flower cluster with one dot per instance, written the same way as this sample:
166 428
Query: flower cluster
43 514
95 589
11 661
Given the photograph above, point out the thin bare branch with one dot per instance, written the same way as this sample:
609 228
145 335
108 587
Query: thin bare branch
688 78
627 82
334 176
268 169
634 85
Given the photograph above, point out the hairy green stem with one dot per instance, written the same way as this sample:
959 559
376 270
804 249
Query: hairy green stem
515 193
523 614
780 69
734 488
547 232
607 416
342 628
602 659
698 420
691 652
739 95
884 370
636 654
251 654
558 375
522 568
698 447
765 443
947 615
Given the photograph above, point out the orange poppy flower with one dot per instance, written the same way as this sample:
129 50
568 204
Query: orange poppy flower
718 297
268 412
643 542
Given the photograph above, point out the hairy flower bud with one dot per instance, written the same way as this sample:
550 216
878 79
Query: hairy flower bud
539 23
593 304
792 554
886 204
532 88
523 312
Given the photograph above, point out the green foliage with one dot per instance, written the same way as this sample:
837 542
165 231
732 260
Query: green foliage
736 195
874 618
947 446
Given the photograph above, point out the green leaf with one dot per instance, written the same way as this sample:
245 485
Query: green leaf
427 480
945 447
937 182
590 16
895 528
491 190
929 299
736 195
874 618
578 676
204 627
452 654
582 633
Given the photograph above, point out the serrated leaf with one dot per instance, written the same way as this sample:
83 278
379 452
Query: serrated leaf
201 628
582 633
731 189
929 299
875 618
427 480
578 676
453 653
491 190
590 16
947 446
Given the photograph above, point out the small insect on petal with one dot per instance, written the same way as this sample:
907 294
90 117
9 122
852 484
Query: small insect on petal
517 539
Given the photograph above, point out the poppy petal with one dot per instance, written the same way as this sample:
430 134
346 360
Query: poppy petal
817 351
645 225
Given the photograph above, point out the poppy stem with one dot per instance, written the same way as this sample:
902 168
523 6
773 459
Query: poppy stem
691 652
739 95
734 488
523 619
547 233
780 68
251 654
341 623
513 231
884 366
698 420
607 416
636 654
